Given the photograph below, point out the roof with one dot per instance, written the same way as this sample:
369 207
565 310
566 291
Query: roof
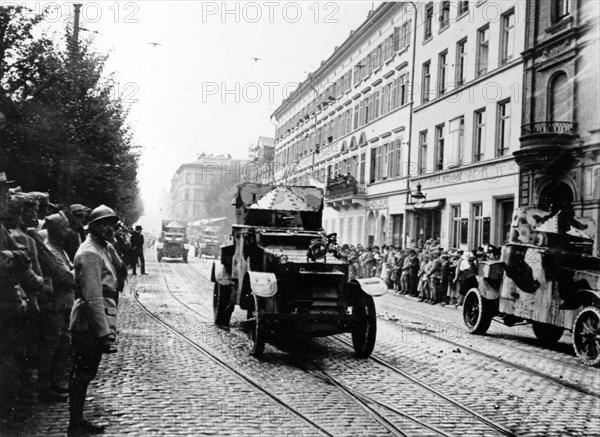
290 199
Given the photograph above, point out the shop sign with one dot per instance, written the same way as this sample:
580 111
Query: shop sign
377 204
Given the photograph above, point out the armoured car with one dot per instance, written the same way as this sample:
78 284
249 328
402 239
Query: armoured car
285 271
546 276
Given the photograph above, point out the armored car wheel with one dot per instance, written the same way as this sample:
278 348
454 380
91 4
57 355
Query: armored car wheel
364 331
222 304
477 312
258 333
546 334
586 336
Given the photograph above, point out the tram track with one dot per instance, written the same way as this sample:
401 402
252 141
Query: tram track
489 339
230 369
515 365
369 404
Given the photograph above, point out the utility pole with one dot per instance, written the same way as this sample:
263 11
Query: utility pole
76 12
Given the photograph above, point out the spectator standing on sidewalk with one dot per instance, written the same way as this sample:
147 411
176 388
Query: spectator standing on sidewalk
56 308
434 274
137 250
93 328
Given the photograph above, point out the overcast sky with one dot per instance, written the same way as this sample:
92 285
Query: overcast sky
200 88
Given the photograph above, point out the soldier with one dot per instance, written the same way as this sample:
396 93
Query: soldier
54 335
76 214
137 250
14 266
91 325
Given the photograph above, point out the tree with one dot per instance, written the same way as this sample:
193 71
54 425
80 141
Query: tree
68 132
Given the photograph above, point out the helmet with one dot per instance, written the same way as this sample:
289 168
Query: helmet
102 212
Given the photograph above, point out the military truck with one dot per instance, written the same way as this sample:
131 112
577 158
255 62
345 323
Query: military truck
284 270
210 241
173 242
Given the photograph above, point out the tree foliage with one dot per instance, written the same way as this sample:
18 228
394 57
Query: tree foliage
66 130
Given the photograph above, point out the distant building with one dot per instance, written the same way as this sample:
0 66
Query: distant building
559 157
262 160
193 180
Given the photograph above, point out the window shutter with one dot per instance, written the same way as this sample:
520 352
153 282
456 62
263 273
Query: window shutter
408 32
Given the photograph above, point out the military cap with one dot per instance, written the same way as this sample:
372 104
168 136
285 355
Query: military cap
56 222
42 198
3 179
78 209
30 199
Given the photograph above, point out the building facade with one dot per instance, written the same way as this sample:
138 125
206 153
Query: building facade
263 155
427 122
192 182
559 157
466 121
346 127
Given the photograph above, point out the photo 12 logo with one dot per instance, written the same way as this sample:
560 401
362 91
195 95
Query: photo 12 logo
269 12
89 12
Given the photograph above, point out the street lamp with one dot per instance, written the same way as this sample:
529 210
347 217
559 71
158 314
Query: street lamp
418 201
418 198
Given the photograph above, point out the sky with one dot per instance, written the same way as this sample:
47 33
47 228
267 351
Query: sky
217 72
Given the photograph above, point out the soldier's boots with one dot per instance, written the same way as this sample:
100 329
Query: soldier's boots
83 428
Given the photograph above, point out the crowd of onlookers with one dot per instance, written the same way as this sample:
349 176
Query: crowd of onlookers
428 272
44 272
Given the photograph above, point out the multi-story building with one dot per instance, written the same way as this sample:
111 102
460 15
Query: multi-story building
559 157
193 181
347 126
466 121
422 105
263 154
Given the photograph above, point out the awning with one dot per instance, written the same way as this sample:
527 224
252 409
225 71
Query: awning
430 204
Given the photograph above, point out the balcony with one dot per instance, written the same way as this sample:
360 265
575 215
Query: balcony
345 194
547 144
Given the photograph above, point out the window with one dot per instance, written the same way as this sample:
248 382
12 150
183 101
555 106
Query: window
445 15
503 128
402 88
463 7
461 59
442 67
479 135
422 152
560 10
362 168
456 139
439 147
428 25
402 35
508 37
455 237
186 194
503 218
426 81
559 106
188 178
483 45
477 211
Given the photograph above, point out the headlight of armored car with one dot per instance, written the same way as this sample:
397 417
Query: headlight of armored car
283 259
318 249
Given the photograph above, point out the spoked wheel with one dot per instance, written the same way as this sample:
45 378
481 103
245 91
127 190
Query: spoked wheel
364 331
586 336
258 332
477 312
547 335
222 308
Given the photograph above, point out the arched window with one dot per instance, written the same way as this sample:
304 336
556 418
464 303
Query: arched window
362 139
559 100
353 144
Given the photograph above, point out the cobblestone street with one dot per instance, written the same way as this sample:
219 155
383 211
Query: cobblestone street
159 384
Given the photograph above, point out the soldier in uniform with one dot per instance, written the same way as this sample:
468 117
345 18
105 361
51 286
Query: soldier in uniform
91 327
15 263
56 308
